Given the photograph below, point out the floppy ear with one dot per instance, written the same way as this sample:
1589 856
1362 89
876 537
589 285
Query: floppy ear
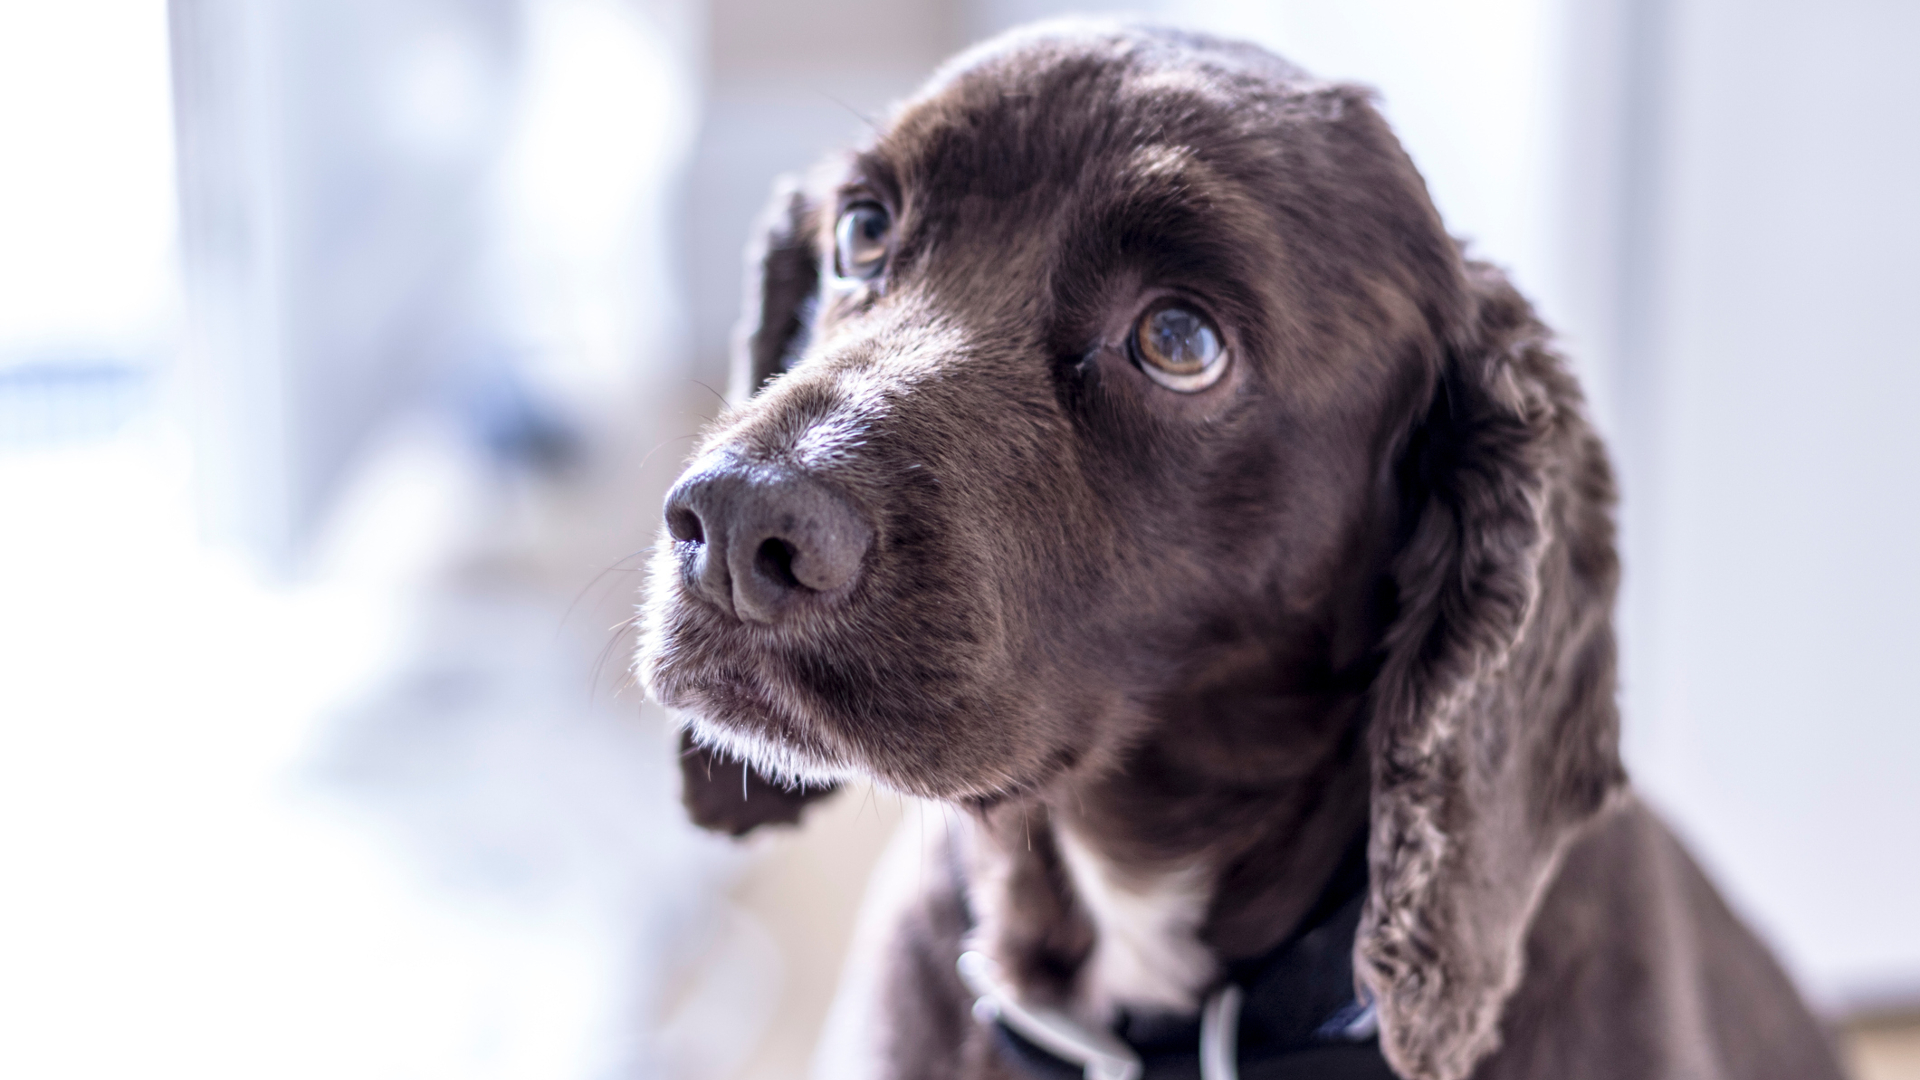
783 282
1495 736
719 792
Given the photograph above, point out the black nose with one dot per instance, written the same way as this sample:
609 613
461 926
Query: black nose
764 540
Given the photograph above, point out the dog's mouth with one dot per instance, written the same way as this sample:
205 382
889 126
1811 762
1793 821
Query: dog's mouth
818 699
728 683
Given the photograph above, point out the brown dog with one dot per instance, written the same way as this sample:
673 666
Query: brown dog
1127 456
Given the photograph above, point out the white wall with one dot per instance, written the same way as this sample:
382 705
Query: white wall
1786 502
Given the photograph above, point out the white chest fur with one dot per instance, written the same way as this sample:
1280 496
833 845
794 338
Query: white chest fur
1147 953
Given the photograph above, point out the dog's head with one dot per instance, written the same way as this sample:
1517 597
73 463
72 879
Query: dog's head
1098 354
1118 357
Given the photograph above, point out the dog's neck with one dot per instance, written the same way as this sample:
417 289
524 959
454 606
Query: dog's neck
1132 889
1131 885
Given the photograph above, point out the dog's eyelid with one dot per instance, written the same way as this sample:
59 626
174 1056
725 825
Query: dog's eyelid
856 195
868 182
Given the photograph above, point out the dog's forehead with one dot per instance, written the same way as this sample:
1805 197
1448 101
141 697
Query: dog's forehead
1044 181
1054 108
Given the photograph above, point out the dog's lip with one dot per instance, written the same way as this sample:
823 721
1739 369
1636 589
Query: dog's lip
728 700
734 657
744 715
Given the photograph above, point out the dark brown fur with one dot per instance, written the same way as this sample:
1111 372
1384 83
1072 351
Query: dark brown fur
1364 582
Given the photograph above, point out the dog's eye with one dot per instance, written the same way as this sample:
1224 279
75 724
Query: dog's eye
860 241
1178 348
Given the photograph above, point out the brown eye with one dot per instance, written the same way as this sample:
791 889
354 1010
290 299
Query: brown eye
860 241
1178 348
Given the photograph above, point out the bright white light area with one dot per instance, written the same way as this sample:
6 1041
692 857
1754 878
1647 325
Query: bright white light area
86 177
442 96
186 892
602 99
171 908
605 123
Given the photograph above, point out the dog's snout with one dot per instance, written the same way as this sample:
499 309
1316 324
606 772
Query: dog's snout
764 540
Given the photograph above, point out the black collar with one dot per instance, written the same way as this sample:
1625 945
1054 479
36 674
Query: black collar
1288 1015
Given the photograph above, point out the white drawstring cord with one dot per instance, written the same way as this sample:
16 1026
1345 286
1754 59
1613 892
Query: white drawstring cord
1220 1035
1100 1053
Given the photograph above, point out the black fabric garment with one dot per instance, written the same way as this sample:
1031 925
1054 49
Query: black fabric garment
1344 1061
1299 1001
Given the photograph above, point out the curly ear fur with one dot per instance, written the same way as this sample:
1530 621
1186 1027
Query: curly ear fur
1494 727
719 792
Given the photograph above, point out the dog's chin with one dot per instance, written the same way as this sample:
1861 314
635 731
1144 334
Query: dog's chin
769 745
737 713
789 764
740 720
732 695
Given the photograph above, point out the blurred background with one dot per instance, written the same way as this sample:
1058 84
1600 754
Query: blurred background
348 346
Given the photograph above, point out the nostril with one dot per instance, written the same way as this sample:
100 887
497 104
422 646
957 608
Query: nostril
775 559
684 525
760 541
